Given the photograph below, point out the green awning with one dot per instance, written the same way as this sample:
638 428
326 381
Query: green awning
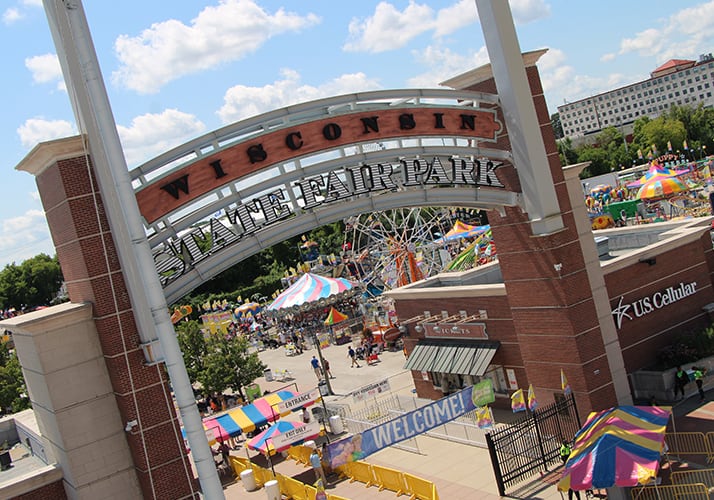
463 358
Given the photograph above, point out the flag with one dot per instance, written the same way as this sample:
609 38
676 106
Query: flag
518 403
639 154
564 383
685 144
669 145
654 149
532 401
484 417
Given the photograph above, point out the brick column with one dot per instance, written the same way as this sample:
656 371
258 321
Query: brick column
548 283
92 272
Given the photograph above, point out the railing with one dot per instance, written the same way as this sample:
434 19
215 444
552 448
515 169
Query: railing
689 444
693 476
672 492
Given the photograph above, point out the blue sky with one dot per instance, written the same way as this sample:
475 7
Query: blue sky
176 70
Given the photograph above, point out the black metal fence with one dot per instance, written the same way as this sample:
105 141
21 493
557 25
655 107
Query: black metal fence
532 444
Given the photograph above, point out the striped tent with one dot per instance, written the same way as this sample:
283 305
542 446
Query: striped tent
310 288
247 418
617 447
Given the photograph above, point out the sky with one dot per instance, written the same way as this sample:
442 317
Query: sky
177 70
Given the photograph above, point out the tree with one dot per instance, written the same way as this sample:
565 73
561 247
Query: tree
568 155
35 282
659 132
557 126
217 362
600 163
13 395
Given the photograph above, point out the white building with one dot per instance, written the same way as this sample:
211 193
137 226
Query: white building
677 82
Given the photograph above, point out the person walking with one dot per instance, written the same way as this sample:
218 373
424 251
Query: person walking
353 356
316 464
680 381
316 367
698 379
565 450
328 373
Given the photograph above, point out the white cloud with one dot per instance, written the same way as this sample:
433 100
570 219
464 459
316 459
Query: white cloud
527 11
389 28
32 3
443 64
38 129
561 82
451 19
607 57
11 15
152 134
219 34
684 34
46 69
241 101
24 237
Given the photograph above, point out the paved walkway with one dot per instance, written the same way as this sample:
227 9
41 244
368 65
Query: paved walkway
458 470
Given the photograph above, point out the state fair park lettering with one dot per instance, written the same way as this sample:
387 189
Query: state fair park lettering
212 172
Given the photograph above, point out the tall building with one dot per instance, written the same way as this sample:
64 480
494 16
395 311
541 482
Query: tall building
677 82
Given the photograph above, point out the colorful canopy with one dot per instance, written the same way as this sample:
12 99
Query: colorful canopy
656 171
248 308
617 447
263 442
247 418
310 288
463 230
335 316
660 188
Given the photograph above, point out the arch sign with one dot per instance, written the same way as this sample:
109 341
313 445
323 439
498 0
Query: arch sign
238 190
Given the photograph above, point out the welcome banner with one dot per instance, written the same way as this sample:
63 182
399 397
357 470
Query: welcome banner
401 428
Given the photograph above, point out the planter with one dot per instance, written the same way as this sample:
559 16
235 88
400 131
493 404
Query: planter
660 384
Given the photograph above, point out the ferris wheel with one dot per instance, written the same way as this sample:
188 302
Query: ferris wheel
392 248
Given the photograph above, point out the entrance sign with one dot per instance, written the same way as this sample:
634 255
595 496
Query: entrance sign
403 427
657 300
455 330
370 390
298 401
296 435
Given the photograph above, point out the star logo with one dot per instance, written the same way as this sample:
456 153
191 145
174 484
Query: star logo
621 312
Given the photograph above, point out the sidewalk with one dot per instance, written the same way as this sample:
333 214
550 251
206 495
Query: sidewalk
458 470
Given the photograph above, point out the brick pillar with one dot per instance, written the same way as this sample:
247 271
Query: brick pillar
549 284
92 272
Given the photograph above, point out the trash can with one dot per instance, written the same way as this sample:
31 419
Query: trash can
322 385
272 490
310 444
336 424
268 375
248 479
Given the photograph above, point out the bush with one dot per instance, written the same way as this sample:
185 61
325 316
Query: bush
689 347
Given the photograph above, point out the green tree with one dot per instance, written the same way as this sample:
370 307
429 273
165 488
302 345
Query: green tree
228 364
13 395
35 282
659 132
600 163
557 125
193 347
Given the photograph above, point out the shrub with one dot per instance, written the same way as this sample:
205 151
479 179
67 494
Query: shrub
687 348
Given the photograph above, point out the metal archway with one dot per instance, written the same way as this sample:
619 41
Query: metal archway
238 190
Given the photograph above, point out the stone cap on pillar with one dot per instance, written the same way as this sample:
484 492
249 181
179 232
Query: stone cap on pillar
45 154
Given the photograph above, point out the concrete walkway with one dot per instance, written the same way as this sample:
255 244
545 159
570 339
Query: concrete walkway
459 471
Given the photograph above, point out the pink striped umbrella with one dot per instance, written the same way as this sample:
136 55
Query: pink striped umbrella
310 288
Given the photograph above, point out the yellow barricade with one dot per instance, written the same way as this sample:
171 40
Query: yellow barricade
710 445
362 472
330 496
687 443
311 492
343 470
673 492
282 483
293 489
262 476
390 479
237 465
294 453
420 488
694 476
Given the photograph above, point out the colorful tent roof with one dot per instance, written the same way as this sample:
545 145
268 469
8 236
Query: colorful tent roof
335 316
463 230
247 418
656 171
248 308
617 447
309 288
263 442
660 187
